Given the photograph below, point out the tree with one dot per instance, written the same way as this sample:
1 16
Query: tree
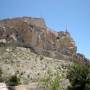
79 77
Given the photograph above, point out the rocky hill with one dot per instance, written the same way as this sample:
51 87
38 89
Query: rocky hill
33 52
33 33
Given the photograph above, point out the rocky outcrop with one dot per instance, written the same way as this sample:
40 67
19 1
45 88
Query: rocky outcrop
80 58
19 87
33 33
3 86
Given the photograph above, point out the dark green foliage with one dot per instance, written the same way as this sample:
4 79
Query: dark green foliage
1 75
13 81
79 77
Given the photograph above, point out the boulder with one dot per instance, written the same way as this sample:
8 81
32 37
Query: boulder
20 87
3 86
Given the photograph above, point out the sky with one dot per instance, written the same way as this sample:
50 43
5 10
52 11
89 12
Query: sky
57 14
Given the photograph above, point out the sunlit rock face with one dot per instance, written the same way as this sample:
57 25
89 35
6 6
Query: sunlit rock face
3 86
33 33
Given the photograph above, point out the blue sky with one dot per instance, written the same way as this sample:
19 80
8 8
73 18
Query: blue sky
57 13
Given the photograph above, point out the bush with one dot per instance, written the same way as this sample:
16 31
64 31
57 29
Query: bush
1 75
79 77
55 84
13 81
52 82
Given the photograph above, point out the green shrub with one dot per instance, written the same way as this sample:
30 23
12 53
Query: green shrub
1 75
0 72
55 84
79 77
13 81
52 82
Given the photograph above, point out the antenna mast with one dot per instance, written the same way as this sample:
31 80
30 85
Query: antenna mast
66 29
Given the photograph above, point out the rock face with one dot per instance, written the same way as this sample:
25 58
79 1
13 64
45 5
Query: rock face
82 59
20 87
3 86
33 33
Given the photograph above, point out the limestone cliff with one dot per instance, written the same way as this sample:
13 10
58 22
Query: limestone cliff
33 33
